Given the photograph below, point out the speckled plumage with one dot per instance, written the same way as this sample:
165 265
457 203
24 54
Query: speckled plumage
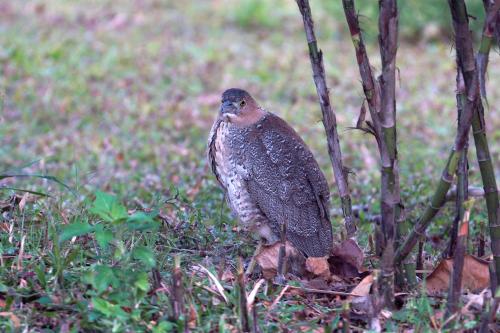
270 177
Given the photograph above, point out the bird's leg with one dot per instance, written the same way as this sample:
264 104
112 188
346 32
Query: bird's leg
280 277
253 261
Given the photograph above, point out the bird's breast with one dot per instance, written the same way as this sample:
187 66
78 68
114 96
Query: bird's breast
234 171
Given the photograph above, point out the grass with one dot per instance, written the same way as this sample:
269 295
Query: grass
118 97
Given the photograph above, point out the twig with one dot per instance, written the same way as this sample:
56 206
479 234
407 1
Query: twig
276 301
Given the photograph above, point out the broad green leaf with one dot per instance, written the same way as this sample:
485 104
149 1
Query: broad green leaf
108 309
104 278
40 274
141 221
145 255
102 306
142 282
164 327
108 208
74 229
103 236
45 300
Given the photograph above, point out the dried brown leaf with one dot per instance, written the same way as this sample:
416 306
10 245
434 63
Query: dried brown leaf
267 258
363 288
318 266
476 275
347 259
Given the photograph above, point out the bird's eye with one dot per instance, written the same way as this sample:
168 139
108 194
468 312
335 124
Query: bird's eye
242 104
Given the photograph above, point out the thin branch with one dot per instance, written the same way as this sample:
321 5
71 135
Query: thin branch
370 85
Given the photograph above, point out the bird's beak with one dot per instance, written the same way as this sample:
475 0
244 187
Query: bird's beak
228 108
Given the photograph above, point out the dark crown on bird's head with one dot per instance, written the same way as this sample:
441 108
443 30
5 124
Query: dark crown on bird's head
235 95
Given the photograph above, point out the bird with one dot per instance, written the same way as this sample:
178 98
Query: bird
271 180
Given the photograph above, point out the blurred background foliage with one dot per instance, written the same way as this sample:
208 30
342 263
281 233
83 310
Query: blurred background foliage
418 18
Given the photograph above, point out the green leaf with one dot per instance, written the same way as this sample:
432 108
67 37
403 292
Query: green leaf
142 281
145 255
74 229
103 236
104 278
45 300
40 274
102 306
141 221
108 208
164 327
108 309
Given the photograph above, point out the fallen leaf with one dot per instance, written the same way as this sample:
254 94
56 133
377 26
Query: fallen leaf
475 276
267 259
347 259
363 288
227 276
192 317
318 266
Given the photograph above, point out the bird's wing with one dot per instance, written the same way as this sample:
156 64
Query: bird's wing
211 149
288 186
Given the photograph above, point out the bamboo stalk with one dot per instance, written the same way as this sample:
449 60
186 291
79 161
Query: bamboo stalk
280 277
460 233
380 96
466 63
390 196
491 20
177 293
458 266
462 186
244 317
329 119
482 149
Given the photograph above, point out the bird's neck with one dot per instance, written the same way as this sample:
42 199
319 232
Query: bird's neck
248 118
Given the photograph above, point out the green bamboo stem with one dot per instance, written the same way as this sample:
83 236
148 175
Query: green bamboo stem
390 193
459 235
489 185
462 182
491 20
380 96
481 142
467 65
437 201
329 119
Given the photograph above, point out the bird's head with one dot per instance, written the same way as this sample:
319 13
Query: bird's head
237 106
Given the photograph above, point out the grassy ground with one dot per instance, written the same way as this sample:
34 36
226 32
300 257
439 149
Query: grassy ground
119 96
